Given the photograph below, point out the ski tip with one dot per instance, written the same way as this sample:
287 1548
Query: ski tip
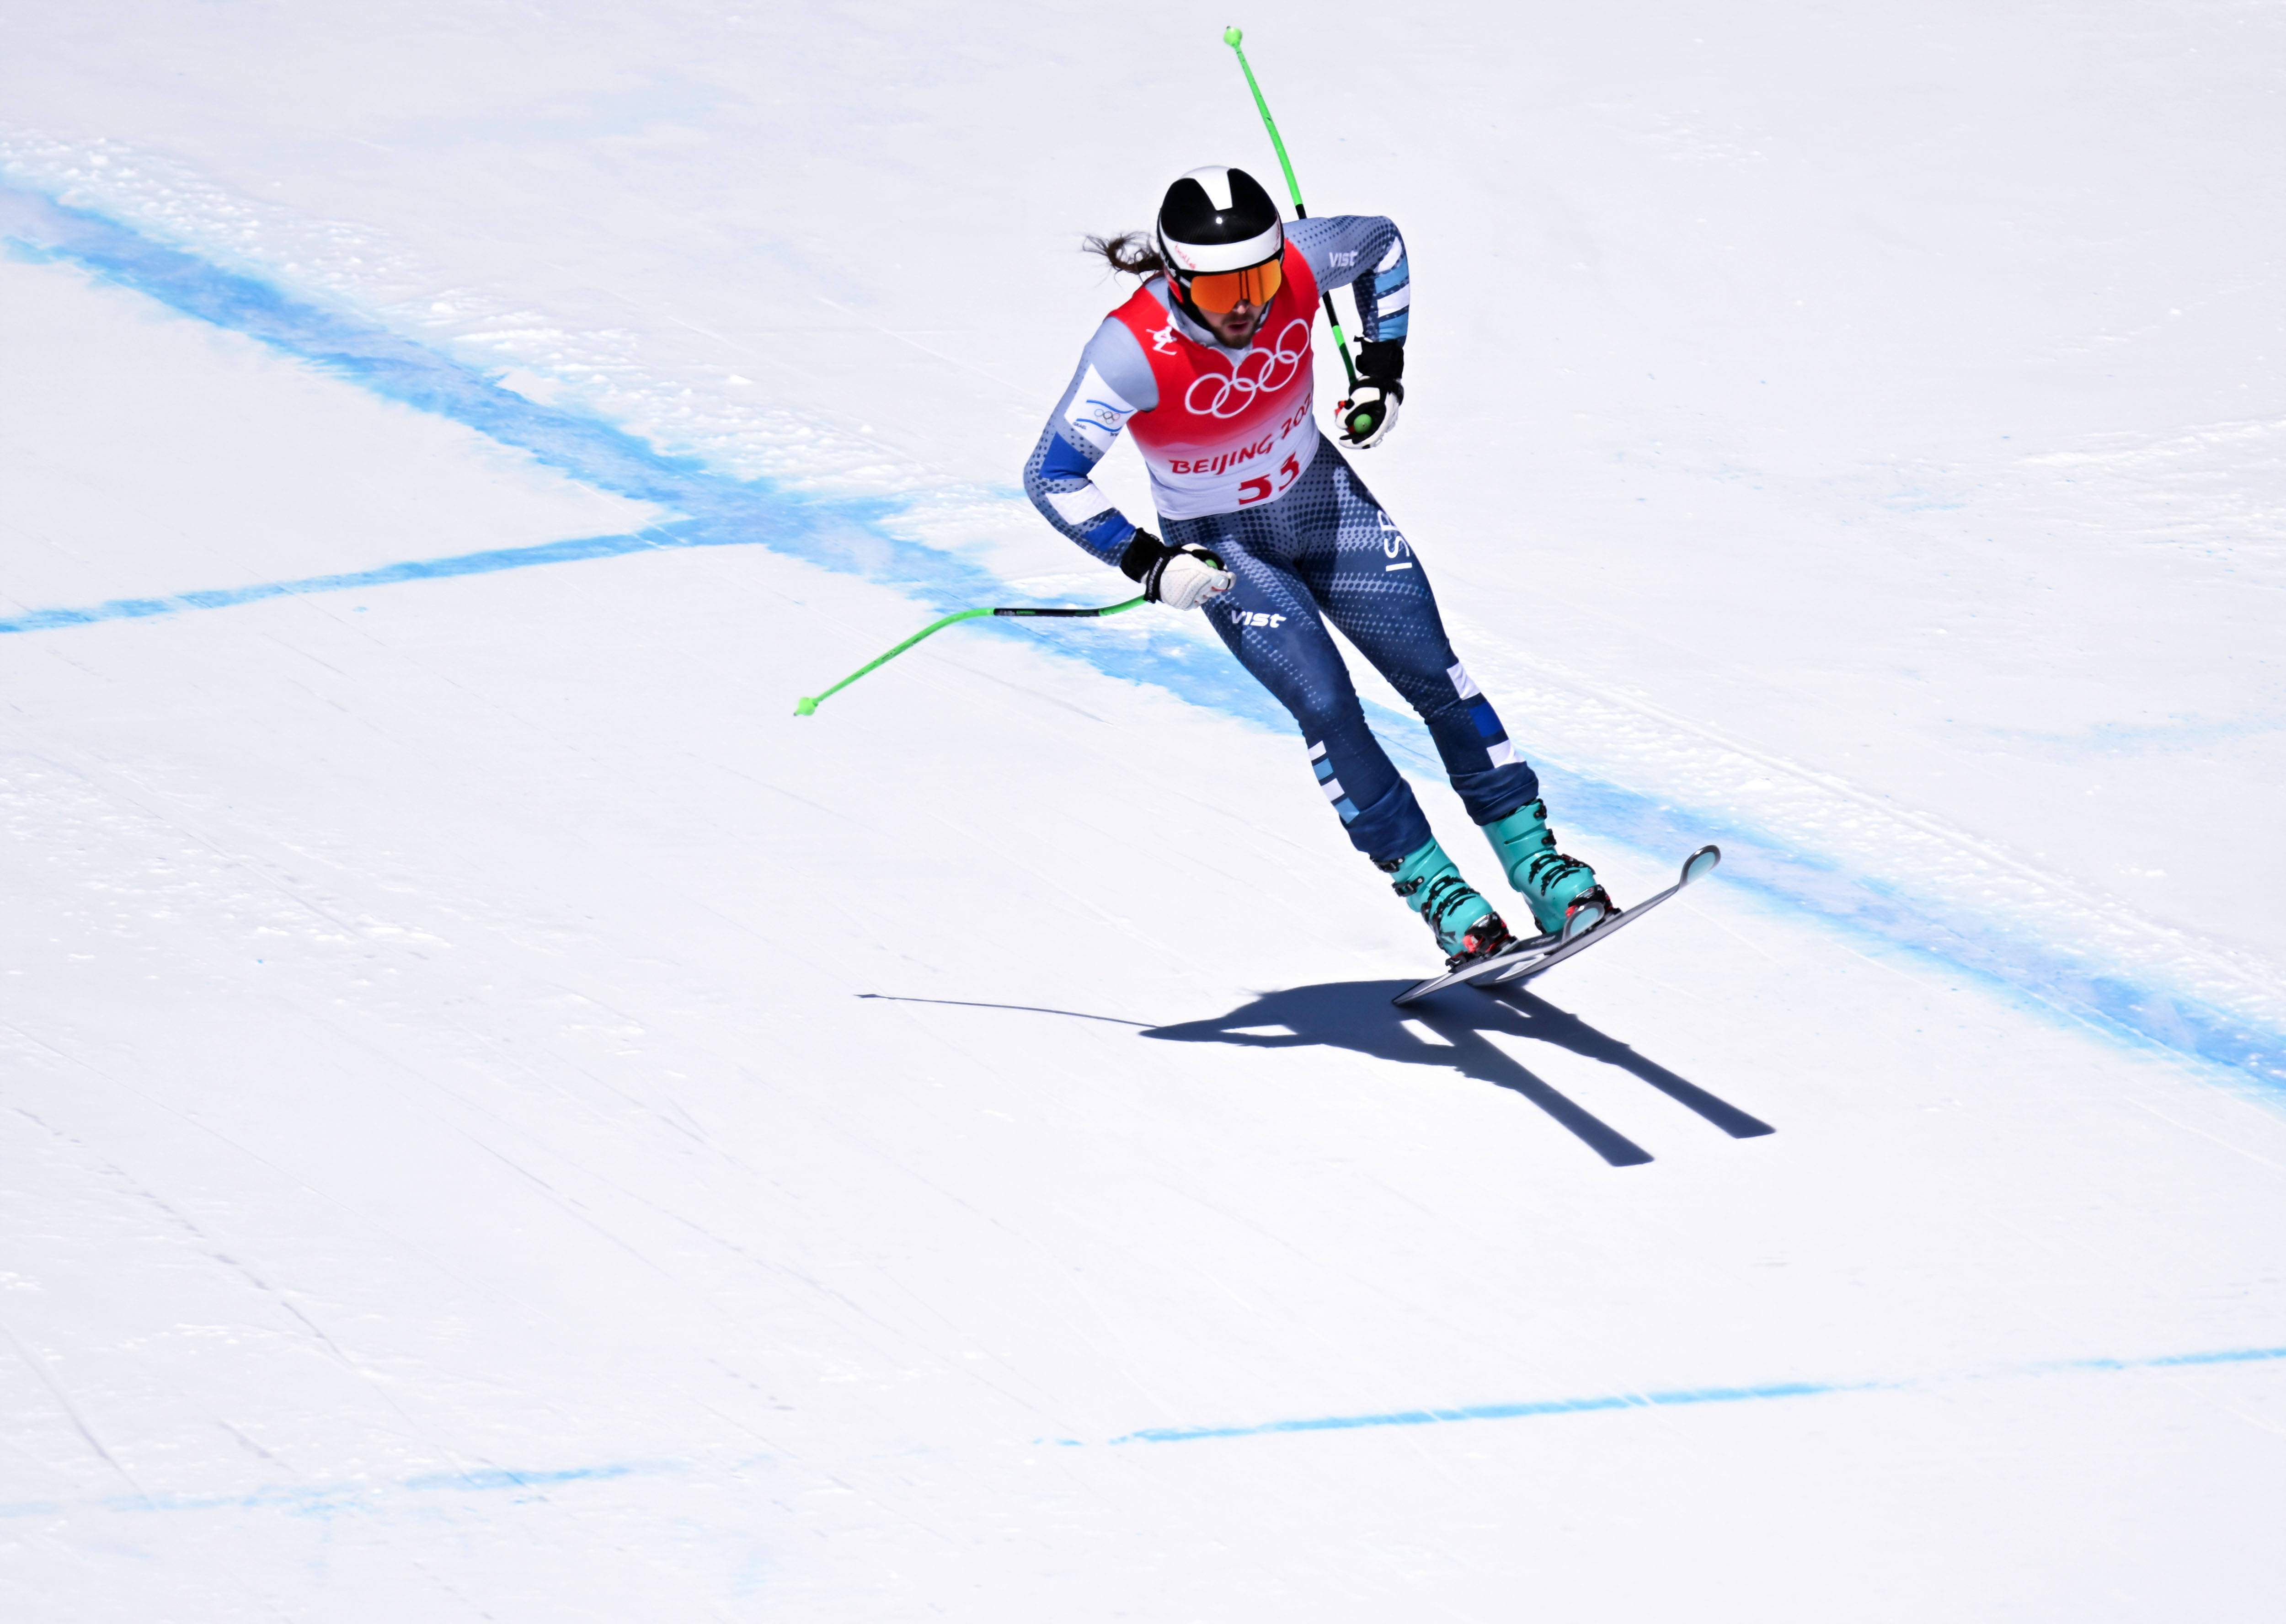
1701 863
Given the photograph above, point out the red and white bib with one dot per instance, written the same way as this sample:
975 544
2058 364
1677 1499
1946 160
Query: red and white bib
1229 431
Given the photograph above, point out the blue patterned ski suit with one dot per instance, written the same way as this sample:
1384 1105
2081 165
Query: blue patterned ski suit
1323 550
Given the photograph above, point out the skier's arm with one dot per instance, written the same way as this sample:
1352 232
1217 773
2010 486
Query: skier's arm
1112 382
1365 254
1363 250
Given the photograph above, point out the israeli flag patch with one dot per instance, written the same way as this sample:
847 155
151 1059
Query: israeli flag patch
1098 411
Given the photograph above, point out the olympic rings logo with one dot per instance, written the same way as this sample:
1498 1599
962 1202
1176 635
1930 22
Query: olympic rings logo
1229 397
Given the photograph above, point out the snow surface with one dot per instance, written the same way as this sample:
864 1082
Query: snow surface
504 1121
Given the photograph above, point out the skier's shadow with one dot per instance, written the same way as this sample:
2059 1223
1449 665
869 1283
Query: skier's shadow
1358 1015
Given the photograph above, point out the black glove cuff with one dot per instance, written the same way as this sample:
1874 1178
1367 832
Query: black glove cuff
1143 550
1382 360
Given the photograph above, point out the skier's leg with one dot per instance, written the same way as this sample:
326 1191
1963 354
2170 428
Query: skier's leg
1270 625
1364 572
1374 588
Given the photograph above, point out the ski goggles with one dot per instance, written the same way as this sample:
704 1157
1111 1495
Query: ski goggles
1219 292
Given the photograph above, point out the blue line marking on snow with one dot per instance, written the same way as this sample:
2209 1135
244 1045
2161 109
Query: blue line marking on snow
1483 1412
327 1499
502 1478
717 509
2063 980
1674 1397
849 535
431 569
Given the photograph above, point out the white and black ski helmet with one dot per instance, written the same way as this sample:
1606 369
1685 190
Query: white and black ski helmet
1217 218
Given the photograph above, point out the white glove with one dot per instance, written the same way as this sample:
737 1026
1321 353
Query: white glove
1186 577
1370 412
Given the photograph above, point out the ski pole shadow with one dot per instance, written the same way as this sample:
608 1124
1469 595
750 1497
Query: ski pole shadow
1358 1016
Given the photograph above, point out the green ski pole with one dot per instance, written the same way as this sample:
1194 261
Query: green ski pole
808 707
1231 36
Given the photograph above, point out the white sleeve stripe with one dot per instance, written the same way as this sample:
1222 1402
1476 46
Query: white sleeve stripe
1389 260
1463 684
1078 507
1389 304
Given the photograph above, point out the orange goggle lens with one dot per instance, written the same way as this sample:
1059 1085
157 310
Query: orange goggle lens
1227 290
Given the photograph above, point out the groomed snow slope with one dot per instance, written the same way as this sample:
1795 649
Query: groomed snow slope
503 1120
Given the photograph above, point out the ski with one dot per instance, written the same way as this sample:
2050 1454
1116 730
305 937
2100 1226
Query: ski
1523 960
1514 956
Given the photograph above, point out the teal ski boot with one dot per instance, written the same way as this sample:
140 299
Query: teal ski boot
1463 923
1562 891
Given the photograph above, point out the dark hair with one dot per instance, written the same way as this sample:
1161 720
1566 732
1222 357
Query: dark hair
1129 251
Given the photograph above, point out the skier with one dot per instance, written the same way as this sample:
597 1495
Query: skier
1267 526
